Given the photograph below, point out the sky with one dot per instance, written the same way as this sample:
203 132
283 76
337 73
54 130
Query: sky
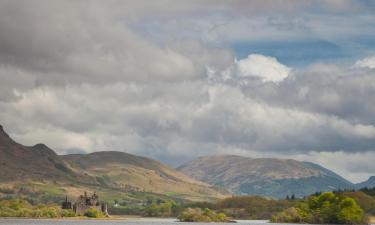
178 79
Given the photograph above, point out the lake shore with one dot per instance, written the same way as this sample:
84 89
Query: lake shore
115 217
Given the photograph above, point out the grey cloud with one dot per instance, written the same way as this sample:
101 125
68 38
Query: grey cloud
84 43
325 89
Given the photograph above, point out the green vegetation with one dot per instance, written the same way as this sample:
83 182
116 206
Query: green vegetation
43 201
239 207
251 207
369 191
151 207
93 213
22 208
365 201
199 215
159 210
324 208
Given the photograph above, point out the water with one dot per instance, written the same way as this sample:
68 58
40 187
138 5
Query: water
130 221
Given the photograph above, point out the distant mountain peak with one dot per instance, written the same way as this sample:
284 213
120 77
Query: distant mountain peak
370 183
5 139
2 132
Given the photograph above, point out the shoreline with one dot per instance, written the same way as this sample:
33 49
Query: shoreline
116 217
134 218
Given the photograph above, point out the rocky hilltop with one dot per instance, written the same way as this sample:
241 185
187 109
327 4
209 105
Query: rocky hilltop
264 176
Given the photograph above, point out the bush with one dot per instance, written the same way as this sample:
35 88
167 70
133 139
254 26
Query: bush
67 213
290 215
50 212
22 208
93 213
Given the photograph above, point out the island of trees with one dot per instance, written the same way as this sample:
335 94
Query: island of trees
202 215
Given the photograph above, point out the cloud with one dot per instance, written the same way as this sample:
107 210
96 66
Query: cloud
85 43
368 62
356 167
163 82
263 67
153 119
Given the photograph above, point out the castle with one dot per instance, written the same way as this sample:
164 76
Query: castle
85 202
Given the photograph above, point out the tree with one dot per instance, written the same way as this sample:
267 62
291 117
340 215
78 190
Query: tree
324 208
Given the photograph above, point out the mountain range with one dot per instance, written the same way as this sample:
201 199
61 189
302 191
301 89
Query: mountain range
37 171
266 176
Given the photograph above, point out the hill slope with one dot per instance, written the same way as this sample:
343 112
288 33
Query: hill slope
123 170
38 170
20 162
264 176
370 183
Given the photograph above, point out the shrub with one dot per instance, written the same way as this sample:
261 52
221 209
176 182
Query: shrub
67 213
50 212
22 208
93 213
290 215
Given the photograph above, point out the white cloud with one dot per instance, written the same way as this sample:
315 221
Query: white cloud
264 67
356 167
368 62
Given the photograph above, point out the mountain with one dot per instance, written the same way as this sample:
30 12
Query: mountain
20 162
370 183
123 170
39 172
264 176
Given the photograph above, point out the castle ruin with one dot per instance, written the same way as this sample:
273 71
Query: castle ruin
85 202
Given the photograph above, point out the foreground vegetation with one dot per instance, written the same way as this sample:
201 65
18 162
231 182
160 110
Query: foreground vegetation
326 208
26 202
22 208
